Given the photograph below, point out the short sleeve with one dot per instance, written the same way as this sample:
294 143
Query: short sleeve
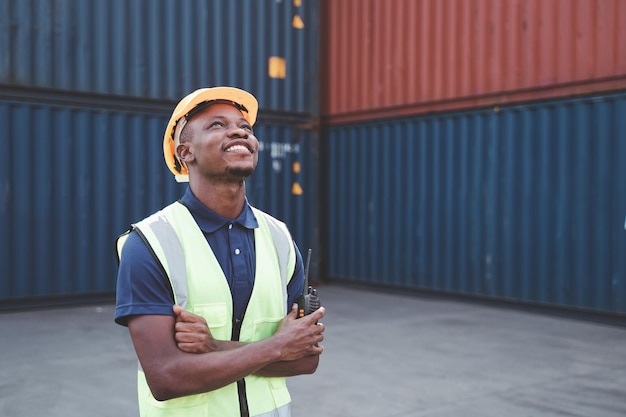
142 284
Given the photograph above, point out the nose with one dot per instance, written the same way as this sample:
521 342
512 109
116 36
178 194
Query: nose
238 132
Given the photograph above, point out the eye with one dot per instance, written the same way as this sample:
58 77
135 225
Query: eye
216 123
246 127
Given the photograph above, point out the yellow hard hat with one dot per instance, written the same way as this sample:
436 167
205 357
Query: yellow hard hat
241 99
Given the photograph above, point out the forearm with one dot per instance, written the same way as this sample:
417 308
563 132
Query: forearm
172 373
306 365
201 363
189 373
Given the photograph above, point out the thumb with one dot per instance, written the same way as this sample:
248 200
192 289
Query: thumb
182 315
293 313
185 316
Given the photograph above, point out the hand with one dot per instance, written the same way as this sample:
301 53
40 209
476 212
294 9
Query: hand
192 333
301 337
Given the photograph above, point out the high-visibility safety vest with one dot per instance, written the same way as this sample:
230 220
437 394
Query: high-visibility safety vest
199 286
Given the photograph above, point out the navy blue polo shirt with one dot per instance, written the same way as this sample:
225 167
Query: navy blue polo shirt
144 288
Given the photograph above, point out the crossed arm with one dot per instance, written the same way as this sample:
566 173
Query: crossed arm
180 357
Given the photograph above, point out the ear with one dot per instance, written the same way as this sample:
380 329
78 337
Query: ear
184 153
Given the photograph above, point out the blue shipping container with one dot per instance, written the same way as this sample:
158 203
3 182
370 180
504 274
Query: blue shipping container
163 49
73 178
523 203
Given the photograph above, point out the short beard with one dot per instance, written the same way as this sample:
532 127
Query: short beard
240 172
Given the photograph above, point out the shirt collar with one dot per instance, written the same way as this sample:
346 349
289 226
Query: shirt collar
209 221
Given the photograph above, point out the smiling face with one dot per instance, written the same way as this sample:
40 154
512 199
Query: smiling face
218 144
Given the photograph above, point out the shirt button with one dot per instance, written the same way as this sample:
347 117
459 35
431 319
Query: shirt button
230 226
237 251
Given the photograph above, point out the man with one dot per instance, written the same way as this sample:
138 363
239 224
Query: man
207 285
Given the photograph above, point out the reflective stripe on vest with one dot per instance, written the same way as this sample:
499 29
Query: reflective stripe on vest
173 252
284 411
284 248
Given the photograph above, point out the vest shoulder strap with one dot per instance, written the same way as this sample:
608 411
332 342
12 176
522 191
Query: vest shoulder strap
119 244
159 235
283 244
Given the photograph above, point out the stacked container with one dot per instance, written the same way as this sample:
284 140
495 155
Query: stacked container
476 148
467 147
386 59
86 89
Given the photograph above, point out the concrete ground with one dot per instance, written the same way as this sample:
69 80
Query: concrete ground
385 355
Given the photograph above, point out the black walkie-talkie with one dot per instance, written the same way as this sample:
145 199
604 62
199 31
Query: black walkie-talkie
308 301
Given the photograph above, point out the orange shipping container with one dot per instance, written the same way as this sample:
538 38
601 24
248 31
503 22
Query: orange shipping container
389 58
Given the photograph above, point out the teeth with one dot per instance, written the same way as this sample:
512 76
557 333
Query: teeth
236 148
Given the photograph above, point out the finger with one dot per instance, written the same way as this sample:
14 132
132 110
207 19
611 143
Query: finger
317 349
317 314
189 327
318 337
293 313
190 347
188 317
182 337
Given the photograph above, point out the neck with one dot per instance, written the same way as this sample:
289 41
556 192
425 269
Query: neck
226 199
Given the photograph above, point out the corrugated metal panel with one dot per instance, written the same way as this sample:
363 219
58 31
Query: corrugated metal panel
524 203
162 49
396 58
286 183
72 179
